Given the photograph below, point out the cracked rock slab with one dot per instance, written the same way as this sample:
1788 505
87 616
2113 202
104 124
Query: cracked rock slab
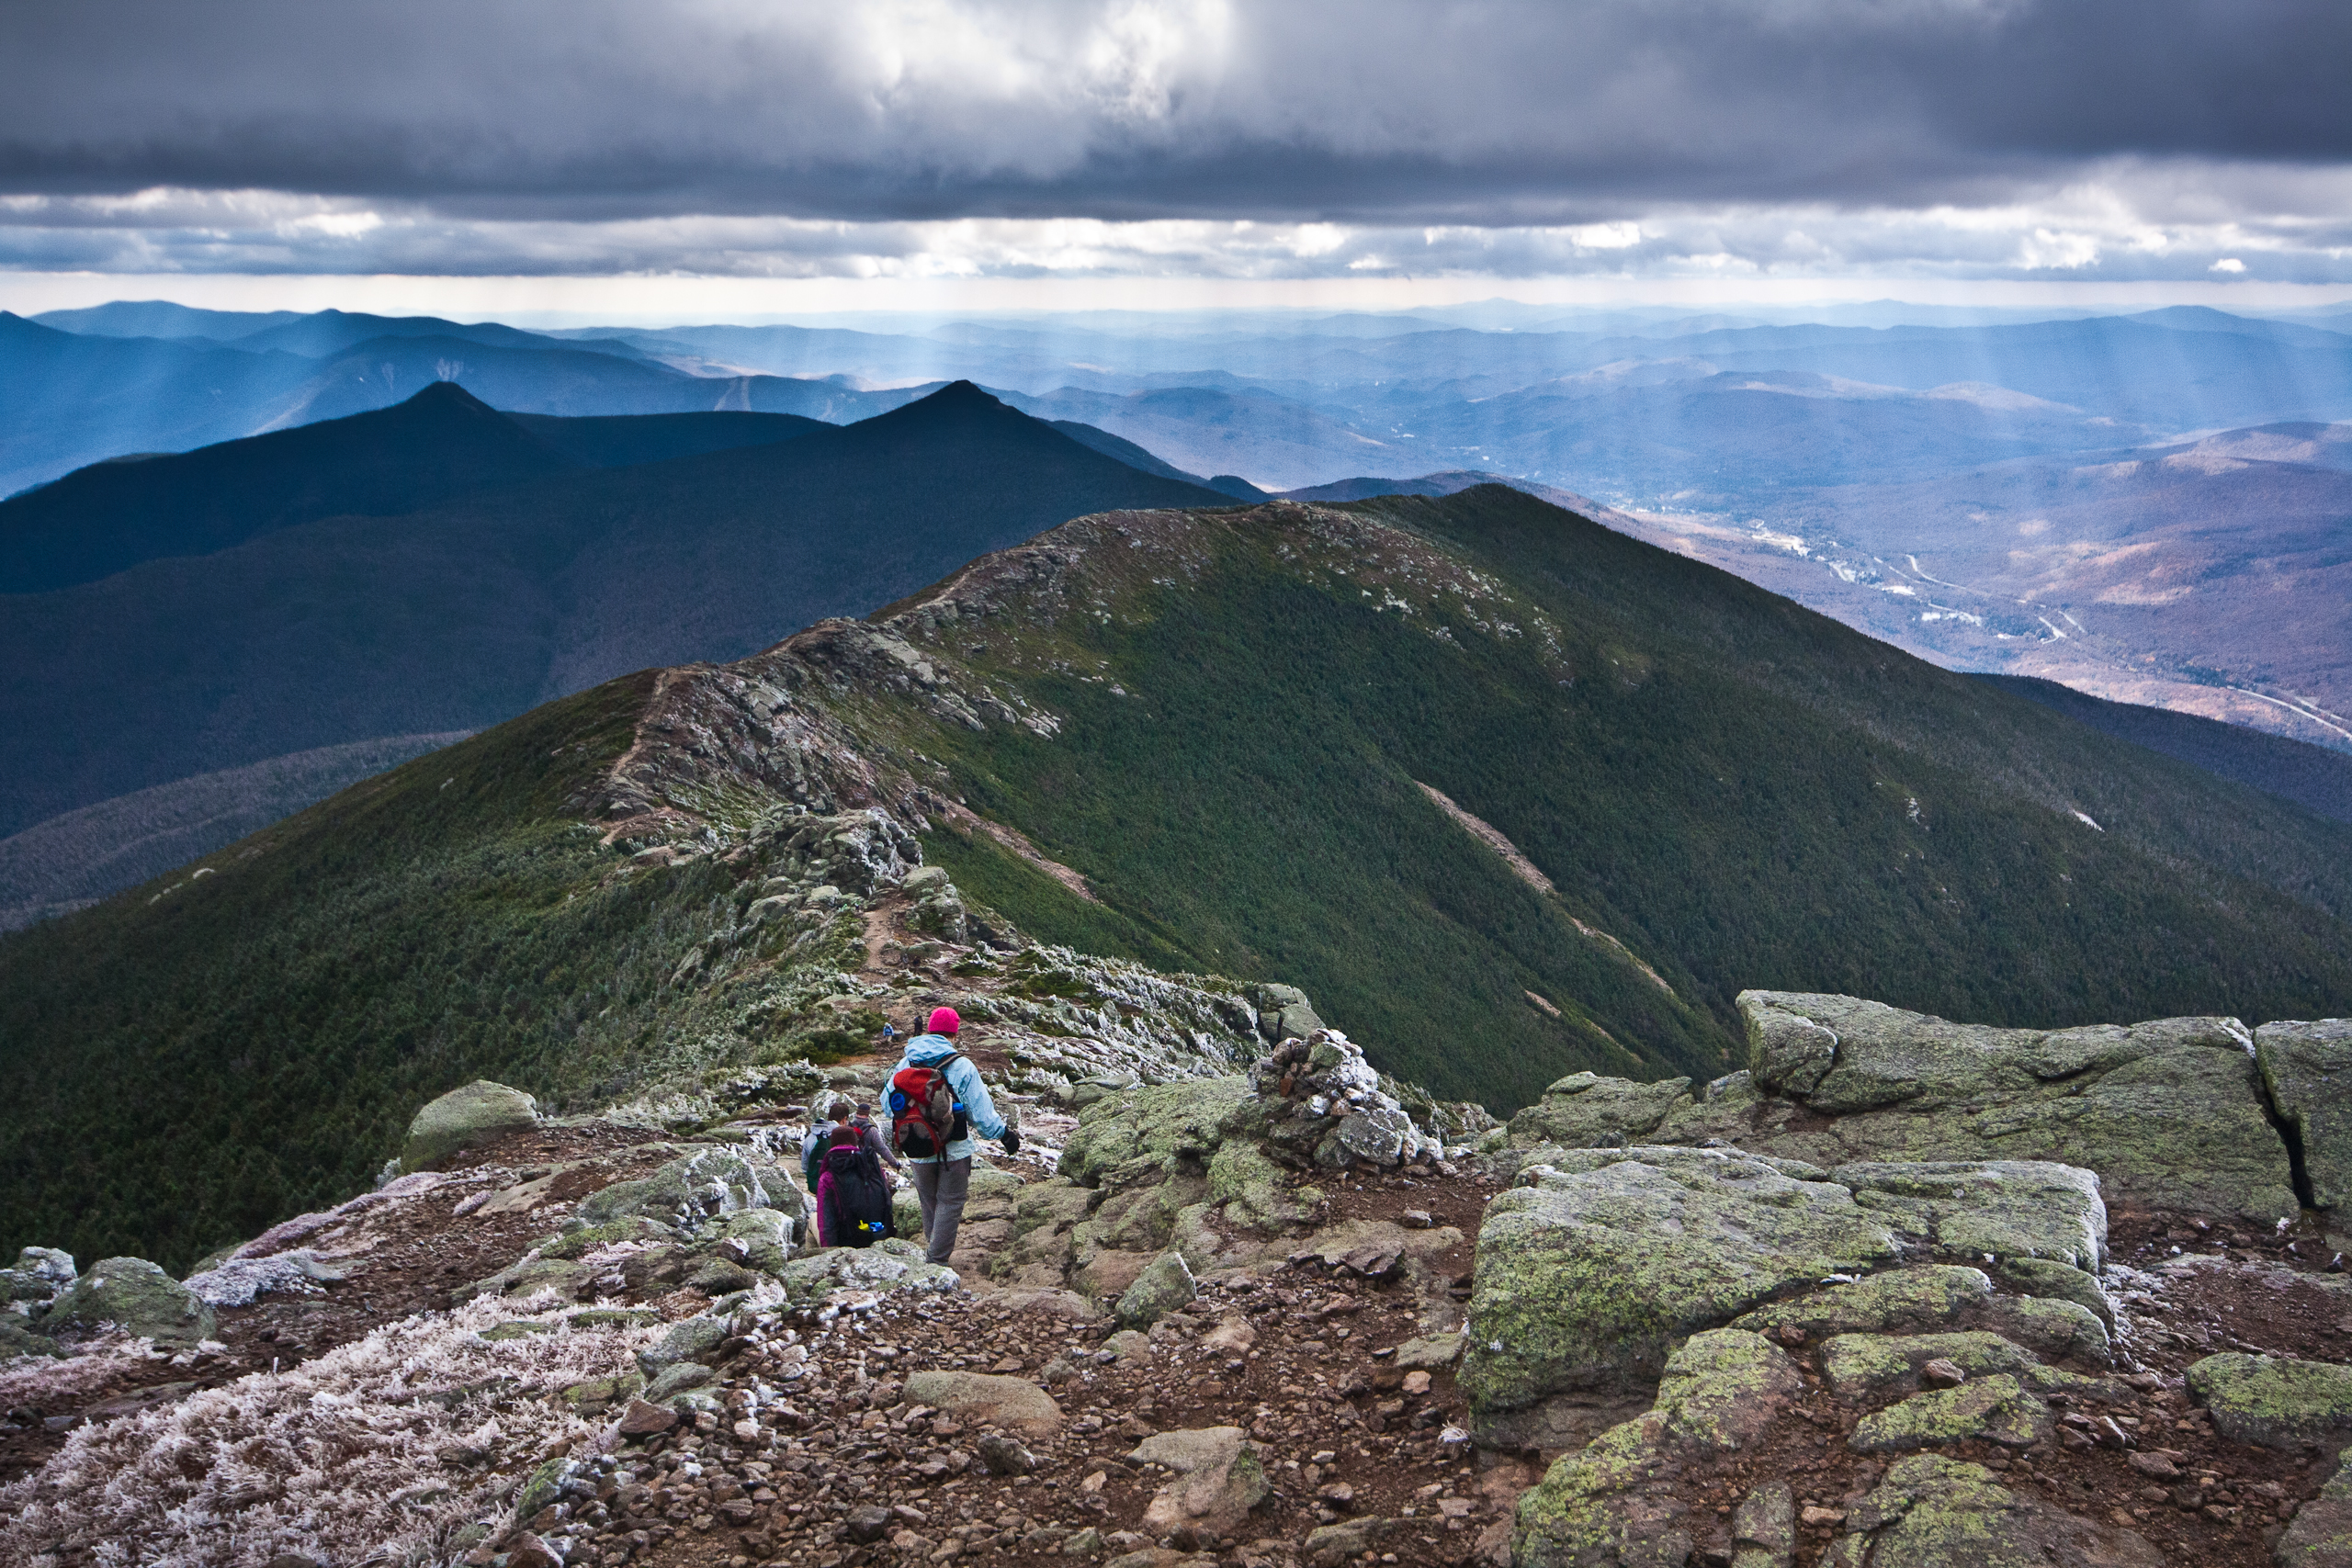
2308 1069
1995 1409
2170 1112
1588 1275
2276 1401
1617 1501
1931 1512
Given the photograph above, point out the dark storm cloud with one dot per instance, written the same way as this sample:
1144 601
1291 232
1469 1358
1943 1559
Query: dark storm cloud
1493 114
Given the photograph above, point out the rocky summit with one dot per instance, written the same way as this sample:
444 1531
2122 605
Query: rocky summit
1901 1292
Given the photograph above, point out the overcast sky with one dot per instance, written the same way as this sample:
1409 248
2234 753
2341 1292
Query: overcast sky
1769 141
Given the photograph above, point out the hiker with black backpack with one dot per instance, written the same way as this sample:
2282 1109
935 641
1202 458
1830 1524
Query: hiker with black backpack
936 1102
853 1195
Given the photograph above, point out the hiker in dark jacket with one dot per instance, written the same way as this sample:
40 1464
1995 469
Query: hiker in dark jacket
821 1122
942 1178
862 1120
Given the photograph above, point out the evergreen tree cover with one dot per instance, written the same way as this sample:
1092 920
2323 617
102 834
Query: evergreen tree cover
1739 791
1744 793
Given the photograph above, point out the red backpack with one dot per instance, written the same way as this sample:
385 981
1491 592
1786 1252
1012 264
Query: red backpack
925 1116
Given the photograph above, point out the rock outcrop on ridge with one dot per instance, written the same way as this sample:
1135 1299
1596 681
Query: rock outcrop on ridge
2174 1114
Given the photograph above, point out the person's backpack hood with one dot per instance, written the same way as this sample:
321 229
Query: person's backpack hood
930 1050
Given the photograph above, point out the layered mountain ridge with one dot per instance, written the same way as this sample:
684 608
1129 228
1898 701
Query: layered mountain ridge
279 600
1509 793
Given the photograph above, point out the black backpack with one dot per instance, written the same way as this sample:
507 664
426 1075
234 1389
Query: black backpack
861 1199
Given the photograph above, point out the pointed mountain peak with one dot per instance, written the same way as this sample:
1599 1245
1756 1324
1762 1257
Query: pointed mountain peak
957 397
446 395
958 405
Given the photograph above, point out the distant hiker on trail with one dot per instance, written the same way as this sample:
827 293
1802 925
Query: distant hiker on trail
889 1035
852 1200
937 1101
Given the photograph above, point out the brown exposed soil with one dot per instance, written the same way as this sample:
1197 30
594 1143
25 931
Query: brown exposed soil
1315 1392
1342 1430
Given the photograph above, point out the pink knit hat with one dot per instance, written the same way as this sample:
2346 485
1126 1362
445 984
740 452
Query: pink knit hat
944 1021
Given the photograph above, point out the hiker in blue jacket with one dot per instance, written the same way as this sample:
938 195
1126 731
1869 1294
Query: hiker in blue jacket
942 1178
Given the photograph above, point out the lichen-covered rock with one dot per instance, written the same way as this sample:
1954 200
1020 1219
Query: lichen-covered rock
596 1396
135 1295
1254 1189
2004 1208
1724 1388
2276 1401
2320 1534
1916 1300
40 1274
1207 1168
1994 1409
2308 1069
761 1239
987 1399
1857 1364
1925 1298
464 1118
1932 1512
1159 1290
2170 1112
1151 1132
528 1274
1586 1278
1220 1477
1284 1013
1615 1501
40 1270
938 908
890 1263
1764 1528
679 1378
688 1339
2040 1276
1586 1111
15 1339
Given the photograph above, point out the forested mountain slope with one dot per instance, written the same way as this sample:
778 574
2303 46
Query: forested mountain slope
1509 793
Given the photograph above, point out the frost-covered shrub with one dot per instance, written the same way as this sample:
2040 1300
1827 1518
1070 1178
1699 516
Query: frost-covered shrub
236 1282
375 1453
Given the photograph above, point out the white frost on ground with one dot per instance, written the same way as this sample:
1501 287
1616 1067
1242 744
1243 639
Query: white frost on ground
378 1451
300 1273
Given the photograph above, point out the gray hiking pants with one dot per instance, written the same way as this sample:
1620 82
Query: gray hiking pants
940 1187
